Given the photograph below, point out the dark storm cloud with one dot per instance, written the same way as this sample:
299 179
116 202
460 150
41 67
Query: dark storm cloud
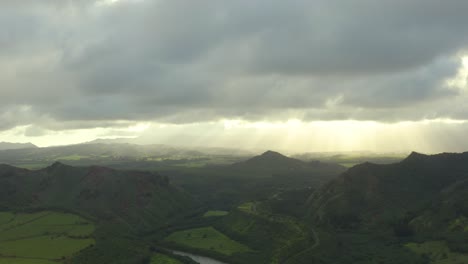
181 61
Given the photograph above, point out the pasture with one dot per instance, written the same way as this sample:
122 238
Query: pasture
163 259
207 238
438 252
43 237
249 207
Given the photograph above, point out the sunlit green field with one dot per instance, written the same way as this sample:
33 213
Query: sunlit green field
25 261
249 207
207 238
43 237
348 164
163 259
73 157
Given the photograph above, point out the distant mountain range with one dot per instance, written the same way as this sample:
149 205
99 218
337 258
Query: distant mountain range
142 142
8 145
109 154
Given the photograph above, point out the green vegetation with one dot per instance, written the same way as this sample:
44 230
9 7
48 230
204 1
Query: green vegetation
6 217
438 252
128 156
349 159
73 157
460 224
37 224
413 211
207 238
163 259
136 208
42 237
126 205
248 207
372 247
46 247
215 213
270 209
25 261
274 237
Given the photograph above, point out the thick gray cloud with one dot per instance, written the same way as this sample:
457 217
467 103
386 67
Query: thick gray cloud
91 62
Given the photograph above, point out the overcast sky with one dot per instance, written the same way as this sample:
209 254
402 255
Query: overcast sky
281 72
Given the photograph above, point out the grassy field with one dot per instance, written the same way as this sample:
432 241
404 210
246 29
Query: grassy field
438 252
25 261
163 259
42 237
215 213
207 238
73 157
6 217
33 166
249 207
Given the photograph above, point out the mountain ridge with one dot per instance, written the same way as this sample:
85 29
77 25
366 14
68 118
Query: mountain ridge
143 199
13 146
269 158
272 159
366 192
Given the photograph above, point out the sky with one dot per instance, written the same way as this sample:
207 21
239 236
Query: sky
298 75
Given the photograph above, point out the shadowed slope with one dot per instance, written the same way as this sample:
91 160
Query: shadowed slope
372 193
143 200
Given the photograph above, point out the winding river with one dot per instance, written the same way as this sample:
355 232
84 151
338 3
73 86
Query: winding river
199 259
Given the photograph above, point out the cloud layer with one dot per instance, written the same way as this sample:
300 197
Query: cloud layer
85 64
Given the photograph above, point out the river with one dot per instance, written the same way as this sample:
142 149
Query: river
199 259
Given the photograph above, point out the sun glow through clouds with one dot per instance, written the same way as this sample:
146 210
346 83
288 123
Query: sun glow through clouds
460 81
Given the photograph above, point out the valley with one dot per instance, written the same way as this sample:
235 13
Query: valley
269 209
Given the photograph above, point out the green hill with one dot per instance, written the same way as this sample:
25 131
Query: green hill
371 193
271 162
256 178
139 199
124 205
414 211
282 171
